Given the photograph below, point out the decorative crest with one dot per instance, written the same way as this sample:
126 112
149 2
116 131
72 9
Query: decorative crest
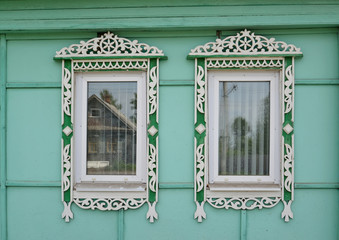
109 45
245 43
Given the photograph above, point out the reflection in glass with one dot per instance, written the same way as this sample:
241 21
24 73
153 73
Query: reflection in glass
111 128
244 128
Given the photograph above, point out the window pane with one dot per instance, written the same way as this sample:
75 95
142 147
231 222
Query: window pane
244 128
111 128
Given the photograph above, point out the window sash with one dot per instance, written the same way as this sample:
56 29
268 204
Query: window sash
214 78
80 126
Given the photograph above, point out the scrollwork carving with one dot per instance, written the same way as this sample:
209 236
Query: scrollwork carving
107 204
200 165
244 203
244 63
288 91
66 164
245 43
152 92
107 45
200 99
67 94
152 157
109 65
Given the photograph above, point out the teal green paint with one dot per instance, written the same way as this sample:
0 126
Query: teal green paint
3 142
176 185
243 225
320 141
316 185
317 82
34 85
176 83
36 114
33 184
121 222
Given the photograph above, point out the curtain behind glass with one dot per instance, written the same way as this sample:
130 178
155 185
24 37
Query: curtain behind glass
244 128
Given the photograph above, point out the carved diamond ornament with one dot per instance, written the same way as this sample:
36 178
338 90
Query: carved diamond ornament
288 129
67 131
200 128
152 131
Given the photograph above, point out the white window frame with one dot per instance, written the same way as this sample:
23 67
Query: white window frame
214 79
80 126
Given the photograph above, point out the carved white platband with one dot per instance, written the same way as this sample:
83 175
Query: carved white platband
67 213
152 91
67 94
245 63
200 166
152 213
152 160
288 91
107 204
109 45
66 166
244 203
287 212
200 212
246 43
200 97
109 64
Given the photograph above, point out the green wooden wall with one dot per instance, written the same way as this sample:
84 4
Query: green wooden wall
30 116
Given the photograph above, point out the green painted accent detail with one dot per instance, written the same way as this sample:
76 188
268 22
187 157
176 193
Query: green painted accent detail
243 225
200 138
317 82
317 185
176 185
121 223
32 184
287 137
111 57
152 122
176 83
67 122
190 57
3 147
34 85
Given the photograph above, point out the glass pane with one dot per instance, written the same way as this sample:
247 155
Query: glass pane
244 128
111 128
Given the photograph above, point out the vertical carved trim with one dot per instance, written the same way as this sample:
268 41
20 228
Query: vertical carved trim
152 137
200 139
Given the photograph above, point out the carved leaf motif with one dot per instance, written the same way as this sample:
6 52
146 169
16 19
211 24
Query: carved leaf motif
287 212
152 213
200 90
67 167
151 167
67 213
200 212
288 89
200 166
67 91
288 167
152 92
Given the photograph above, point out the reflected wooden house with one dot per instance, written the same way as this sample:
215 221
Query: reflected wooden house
111 139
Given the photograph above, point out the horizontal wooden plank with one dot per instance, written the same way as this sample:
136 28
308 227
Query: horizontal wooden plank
201 22
62 4
165 12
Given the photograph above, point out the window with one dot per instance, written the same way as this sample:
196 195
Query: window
244 129
110 125
244 138
121 98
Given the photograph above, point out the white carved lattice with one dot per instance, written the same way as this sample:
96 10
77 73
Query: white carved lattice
109 45
82 65
245 43
245 63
